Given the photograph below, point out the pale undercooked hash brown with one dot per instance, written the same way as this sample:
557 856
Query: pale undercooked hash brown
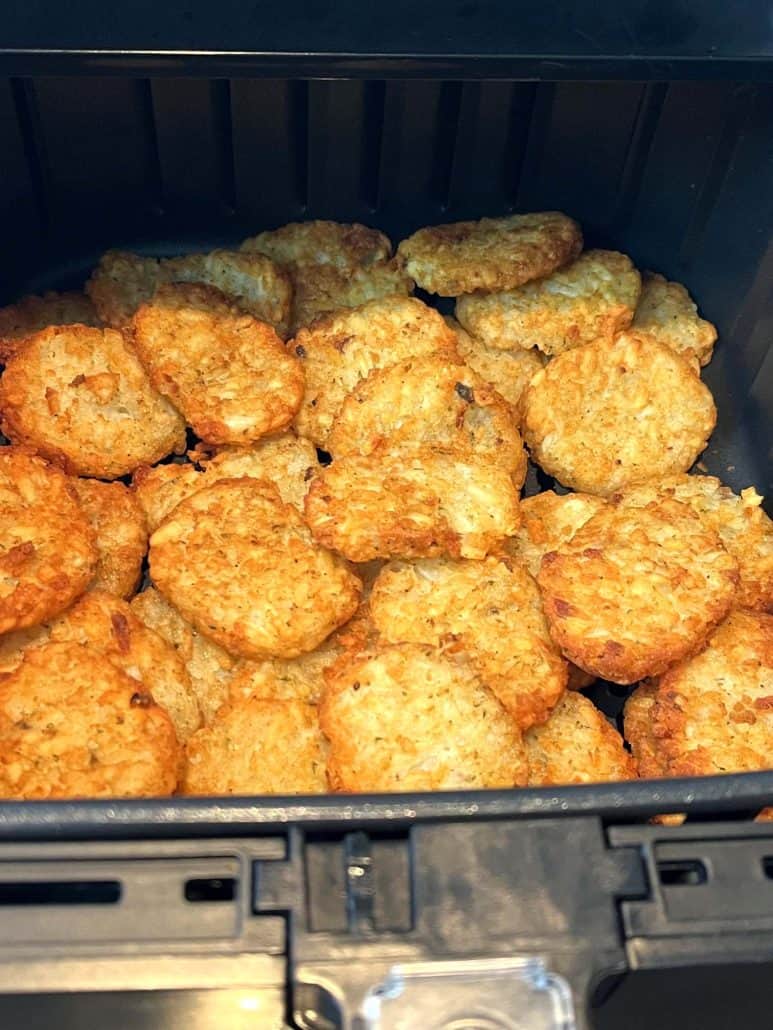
48 551
408 717
742 524
121 533
122 282
594 298
258 746
428 401
33 313
412 504
637 589
80 396
712 713
576 745
228 373
667 313
612 413
332 265
340 350
210 667
493 610
288 461
243 568
492 254
508 371
72 725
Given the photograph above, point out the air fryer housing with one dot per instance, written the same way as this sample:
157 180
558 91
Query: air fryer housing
168 127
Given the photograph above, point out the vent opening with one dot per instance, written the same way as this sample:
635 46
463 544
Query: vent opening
61 892
687 872
211 888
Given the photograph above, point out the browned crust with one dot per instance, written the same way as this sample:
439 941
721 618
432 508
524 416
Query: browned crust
492 254
243 568
121 532
33 313
636 590
228 373
48 552
67 394
73 725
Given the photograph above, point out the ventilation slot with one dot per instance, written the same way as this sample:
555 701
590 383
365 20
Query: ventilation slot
687 872
220 96
447 129
212 888
373 132
61 892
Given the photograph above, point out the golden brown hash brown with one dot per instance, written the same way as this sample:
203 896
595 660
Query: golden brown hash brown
612 413
343 246
229 374
712 713
322 290
72 725
576 745
428 401
121 533
296 679
243 568
122 282
667 313
33 313
332 266
594 298
108 625
508 371
637 589
283 679
420 503
408 717
340 350
287 460
258 746
493 610
210 667
48 552
549 520
742 524
80 396
252 281
492 254
638 732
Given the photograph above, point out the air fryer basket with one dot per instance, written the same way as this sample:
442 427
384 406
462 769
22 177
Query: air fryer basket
165 129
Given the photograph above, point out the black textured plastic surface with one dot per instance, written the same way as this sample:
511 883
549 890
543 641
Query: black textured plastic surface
330 912
527 38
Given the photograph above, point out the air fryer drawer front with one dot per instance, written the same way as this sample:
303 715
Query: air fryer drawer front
484 923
